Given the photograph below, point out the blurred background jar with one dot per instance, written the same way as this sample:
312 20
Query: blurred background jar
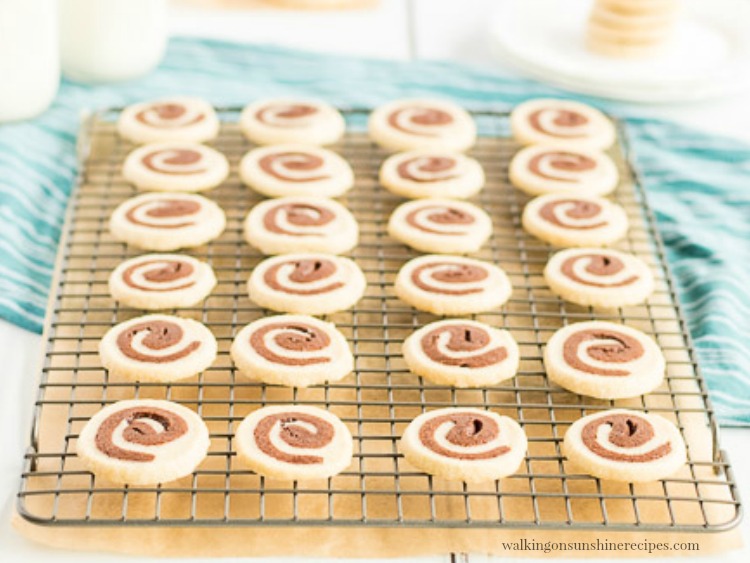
111 40
29 59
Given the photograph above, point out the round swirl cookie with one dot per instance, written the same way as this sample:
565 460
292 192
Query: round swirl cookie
624 445
604 360
575 220
159 348
278 121
307 283
461 353
296 170
464 444
173 166
161 281
143 442
452 285
599 277
294 442
292 350
301 224
432 173
550 169
170 119
577 125
443 226
404 125
164 222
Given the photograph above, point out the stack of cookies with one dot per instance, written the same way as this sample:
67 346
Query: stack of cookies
631 28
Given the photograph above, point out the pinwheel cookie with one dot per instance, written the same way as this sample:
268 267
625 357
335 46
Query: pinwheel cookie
575 220
284 120
624 445
158 348
164 222
143 442
169 119
296 170
599 277
554 169
292 350
404 125
309 284
461 353
175 167
301 224
161 281
452 285
464 444
604 360
577 125
432 173
294 442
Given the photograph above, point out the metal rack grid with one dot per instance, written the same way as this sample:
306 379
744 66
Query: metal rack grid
381 397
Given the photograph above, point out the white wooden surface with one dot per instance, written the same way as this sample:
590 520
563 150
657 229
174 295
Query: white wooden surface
397 29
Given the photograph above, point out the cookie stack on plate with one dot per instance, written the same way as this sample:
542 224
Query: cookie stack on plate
630 28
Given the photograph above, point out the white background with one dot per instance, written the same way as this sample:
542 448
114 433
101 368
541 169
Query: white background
396 29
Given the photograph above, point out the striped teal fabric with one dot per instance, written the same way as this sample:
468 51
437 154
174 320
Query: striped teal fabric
697 183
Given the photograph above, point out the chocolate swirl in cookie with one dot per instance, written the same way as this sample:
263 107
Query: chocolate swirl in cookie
160 275
296 430
562 166
156 341
143 426
305 218
165 213
294 166
294 338
428 169
420 120
573 213
287 115
559 122
462 345
449 278
440 220
624 431
467 430
599 267
169 115
175 161
304 277
602 345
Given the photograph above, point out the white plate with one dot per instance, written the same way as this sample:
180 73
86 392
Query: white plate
709 55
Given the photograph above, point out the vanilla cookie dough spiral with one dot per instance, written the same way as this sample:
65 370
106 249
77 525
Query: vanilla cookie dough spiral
625 445
164 222
560 169
599 277
294 442
181 119
577 125
296 170
307 283
161 281
143 442
464 444
461 353
575 220
404 125
301 224
452 285
159 348
292 350
604 360
286 120
173 166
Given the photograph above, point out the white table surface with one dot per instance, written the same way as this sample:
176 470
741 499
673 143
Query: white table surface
396 29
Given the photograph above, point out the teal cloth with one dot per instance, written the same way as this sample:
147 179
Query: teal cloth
697 183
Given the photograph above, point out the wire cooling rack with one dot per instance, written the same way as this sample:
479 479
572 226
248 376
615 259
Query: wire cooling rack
381 397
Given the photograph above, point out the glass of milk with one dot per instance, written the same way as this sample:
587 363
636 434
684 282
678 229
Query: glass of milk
111 40
29 58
